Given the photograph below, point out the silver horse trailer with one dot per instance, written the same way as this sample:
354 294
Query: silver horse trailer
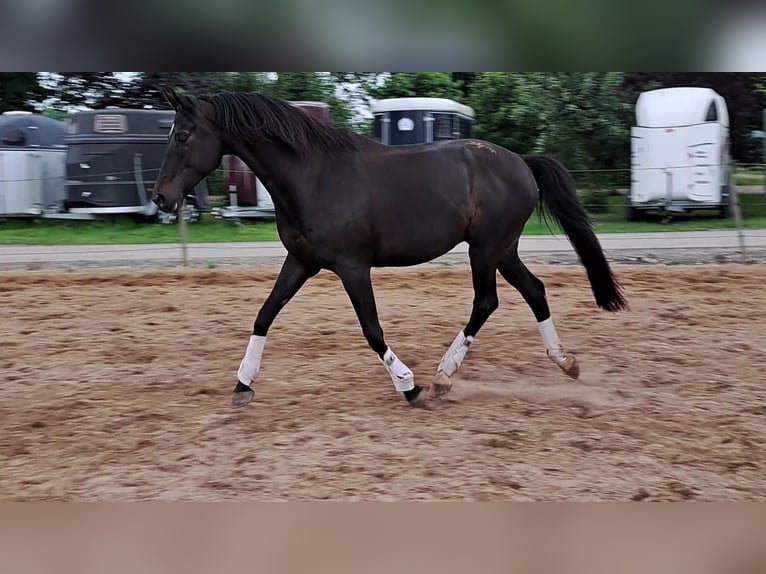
32 165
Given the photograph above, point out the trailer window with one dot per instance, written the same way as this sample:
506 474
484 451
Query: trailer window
110 124
712 113
444 127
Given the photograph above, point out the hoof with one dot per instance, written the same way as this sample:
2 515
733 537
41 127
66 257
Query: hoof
243 396
242 399
440 387
416 397
571 367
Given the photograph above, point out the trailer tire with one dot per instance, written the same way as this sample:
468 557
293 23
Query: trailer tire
726 210
191 212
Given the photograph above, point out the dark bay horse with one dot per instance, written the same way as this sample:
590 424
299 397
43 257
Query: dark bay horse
346 203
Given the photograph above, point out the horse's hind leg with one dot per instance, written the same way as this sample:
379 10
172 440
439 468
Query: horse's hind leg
533 291
485 302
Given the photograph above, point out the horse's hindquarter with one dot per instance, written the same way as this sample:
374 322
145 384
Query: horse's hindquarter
504 189
418 202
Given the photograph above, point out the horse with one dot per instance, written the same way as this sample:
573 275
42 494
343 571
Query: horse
347 203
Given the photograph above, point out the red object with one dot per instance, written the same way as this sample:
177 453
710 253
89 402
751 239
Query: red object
236 173
319 110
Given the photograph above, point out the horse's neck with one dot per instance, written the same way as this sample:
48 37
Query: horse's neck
283 176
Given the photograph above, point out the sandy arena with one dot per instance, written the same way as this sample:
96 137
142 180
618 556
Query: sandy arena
116 385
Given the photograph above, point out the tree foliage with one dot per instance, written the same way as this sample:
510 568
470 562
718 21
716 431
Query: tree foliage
418 84
465 81
296 86
90 89
19 91
506 111
145 90
583 118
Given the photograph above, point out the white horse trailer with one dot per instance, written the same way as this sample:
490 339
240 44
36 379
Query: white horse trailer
32 165
680 152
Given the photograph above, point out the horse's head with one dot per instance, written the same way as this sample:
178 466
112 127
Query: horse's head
194 150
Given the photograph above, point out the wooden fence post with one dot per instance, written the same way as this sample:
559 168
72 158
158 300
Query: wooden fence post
183 232
738 222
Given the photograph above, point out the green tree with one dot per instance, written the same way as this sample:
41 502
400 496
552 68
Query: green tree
19 91
583 118
242 81
506 111
146 89
419 84
101 89
296 86
55 114
91 89
588 121
465 81
588 128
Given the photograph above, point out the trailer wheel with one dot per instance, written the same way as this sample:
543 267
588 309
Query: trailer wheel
726 210
191 212
631 213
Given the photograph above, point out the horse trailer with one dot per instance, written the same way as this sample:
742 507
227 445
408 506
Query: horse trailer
248 198
406 121
113 159
32 165
680 152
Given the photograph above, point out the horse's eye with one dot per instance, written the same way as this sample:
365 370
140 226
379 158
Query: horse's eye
182 137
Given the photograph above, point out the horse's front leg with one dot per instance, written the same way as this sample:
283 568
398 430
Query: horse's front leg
358 286
291 278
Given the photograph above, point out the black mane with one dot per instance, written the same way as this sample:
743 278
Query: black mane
256 117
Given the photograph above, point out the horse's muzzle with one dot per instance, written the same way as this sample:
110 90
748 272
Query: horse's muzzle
164 205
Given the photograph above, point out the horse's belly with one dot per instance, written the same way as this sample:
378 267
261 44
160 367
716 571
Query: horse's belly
408 258
420 226
405 245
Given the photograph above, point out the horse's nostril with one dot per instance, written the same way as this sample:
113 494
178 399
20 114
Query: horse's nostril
159 199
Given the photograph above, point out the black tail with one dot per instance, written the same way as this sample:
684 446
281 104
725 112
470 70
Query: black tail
559 194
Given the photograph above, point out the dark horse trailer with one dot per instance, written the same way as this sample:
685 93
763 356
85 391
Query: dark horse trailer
408 121
113 159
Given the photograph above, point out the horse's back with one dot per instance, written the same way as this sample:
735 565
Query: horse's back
466 171
483 154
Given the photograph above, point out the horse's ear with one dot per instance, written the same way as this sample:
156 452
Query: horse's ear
170 95
178 100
